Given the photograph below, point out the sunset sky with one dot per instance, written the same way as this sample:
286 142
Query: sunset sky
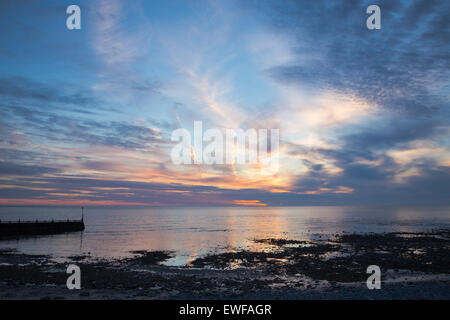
86 115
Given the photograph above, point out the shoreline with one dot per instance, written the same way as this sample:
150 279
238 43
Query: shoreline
414 266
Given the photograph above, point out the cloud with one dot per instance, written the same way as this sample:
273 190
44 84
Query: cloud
395 67
14 169
363 115
121 39
23 89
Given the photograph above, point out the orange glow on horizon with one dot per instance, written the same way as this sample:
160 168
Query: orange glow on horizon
249 203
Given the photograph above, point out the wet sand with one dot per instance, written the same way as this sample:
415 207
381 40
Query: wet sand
413 265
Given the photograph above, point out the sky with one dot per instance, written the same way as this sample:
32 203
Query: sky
86 116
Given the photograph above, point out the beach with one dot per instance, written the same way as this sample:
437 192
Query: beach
413 265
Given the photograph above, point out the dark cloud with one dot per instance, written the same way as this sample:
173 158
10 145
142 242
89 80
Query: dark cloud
48 113
393 67
391 134
12 169
98 165
23 90
51 126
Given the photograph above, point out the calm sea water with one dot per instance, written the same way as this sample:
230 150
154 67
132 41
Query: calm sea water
191 232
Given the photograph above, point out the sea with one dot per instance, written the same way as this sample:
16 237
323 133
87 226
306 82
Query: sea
191 232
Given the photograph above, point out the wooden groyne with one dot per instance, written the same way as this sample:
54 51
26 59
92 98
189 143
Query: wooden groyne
31 228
